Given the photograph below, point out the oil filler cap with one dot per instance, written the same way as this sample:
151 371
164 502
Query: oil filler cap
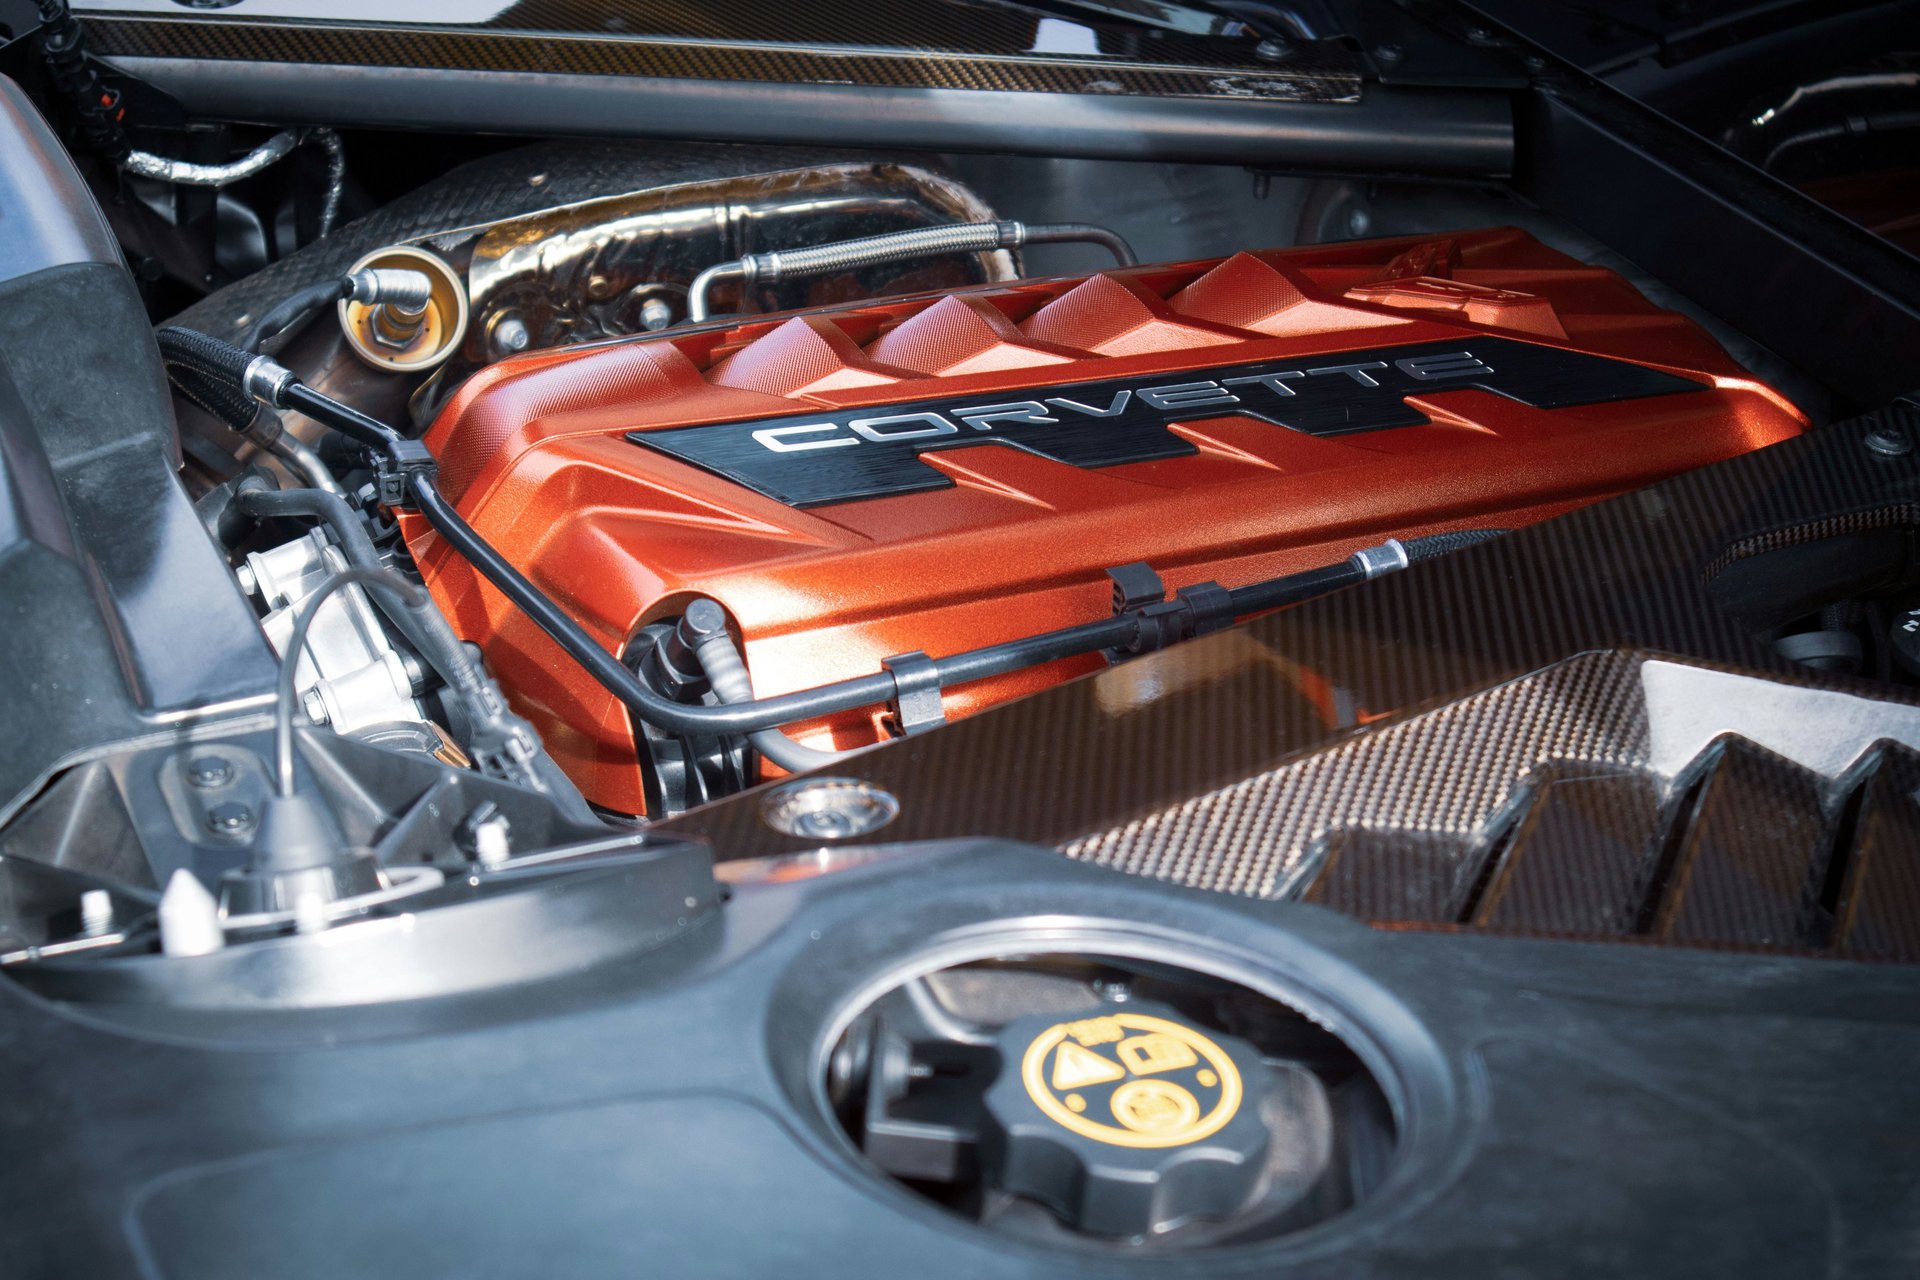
1126 1122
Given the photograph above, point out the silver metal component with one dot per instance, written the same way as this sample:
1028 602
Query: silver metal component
508 336
1389 557
828 808
542 268
898 246
310 914
398 883
96 912
350 676
492 842
305 463
187 173
266 380
336 177
655 314
1890 440
401 286
411 313
189 918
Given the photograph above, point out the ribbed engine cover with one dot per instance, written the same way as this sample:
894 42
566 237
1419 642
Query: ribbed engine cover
938 473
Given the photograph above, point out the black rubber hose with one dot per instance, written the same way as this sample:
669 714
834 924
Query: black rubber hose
195 352
217 396
1295 587
346 420
293 309
198 353
1435 545
662 712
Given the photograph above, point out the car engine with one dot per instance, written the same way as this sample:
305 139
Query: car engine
1045 637
861 486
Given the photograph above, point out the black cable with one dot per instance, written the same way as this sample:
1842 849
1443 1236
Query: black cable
655 709
1082 233
196 352
283 709
293 310
63 46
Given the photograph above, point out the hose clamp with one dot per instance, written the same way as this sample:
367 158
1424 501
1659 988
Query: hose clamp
1389 557
916 693
266 380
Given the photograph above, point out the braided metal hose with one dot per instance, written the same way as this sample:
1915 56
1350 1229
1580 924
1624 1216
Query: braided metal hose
897 246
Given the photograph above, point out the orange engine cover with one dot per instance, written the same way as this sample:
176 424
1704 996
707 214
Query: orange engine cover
940 473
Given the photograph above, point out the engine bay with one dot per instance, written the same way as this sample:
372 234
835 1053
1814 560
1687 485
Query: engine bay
1054 638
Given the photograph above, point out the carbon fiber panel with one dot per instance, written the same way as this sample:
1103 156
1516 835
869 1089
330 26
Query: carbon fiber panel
929 44
1490 739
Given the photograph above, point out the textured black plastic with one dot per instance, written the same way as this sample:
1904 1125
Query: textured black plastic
1569 1110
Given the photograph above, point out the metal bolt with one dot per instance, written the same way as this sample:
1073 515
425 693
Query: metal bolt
1389 53
1359 222
208 772
1890 440
702 619
1274 49
316 706
655 315
1479 35
230 819
96 912
510 335
537 180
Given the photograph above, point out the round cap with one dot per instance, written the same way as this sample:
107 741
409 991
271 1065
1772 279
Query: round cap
1126 1121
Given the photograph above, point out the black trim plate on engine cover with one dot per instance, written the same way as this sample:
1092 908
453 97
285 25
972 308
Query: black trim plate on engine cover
874 451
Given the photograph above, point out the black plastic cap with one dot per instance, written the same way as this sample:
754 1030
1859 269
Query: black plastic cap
1126 1121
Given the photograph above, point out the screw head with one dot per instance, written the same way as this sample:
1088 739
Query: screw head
1274 49
1389 53
1890 440
703 618
828 808
230 819
209 772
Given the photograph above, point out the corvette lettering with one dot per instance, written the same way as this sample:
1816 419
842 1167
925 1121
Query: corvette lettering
1172 398
839 456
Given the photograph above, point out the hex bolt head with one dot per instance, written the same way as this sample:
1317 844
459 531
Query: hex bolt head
209 772
230 819
655 314
510 336
1274 49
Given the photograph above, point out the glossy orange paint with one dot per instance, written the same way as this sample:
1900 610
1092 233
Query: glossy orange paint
532 450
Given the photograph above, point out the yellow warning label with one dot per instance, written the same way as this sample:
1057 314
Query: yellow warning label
1076 1068
1131 1080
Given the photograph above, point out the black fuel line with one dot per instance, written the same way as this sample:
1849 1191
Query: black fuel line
1143 620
